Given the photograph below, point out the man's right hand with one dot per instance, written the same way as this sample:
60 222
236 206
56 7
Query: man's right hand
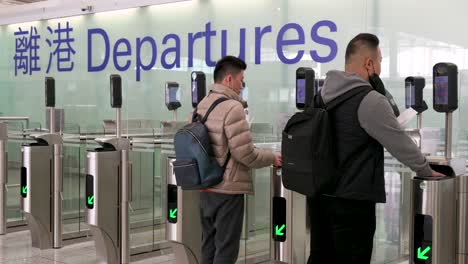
437 174
278 160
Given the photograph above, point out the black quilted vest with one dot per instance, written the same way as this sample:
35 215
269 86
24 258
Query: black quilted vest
360 157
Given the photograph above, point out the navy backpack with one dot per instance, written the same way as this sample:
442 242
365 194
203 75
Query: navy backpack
195 166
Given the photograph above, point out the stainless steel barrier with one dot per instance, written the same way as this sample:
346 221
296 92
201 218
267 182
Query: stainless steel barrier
433 218
105 203
183 226
41 189
3 176
462 219
289 223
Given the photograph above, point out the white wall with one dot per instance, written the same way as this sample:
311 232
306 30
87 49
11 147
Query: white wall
63 8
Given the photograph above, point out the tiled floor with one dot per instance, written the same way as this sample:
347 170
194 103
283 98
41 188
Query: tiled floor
16 248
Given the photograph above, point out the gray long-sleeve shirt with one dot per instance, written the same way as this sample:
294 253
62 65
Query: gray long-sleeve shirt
376 117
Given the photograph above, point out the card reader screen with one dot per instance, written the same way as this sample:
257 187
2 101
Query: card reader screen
410 94
300 91
171 93
194 92
441 90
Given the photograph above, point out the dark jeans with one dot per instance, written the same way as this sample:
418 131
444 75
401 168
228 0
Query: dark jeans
221 217
341 230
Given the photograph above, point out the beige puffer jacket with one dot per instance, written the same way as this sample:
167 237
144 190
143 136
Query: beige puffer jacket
229 130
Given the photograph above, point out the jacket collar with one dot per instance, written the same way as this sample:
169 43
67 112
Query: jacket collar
224 90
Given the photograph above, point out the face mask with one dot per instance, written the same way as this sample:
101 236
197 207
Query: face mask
378 85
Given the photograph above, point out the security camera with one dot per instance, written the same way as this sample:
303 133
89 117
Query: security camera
88 8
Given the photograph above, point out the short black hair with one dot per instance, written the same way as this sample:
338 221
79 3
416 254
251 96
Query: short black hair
368 40
228 65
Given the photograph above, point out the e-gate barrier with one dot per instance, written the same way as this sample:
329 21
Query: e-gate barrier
41 182
414 99
107 190
183 226
438 205
288 208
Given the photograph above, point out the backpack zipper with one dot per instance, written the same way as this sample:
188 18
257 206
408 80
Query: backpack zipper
182 166
193 135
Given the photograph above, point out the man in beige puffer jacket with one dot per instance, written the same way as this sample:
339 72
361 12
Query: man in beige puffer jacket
222 206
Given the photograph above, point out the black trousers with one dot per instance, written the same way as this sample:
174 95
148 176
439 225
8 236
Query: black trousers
341 230
221 217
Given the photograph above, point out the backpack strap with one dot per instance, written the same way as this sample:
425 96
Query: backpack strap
318 101
227 159
348 95
212 107
197 117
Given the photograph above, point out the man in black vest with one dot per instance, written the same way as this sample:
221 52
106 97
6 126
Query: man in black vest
343 220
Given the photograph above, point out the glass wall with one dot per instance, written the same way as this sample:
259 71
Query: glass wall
150 46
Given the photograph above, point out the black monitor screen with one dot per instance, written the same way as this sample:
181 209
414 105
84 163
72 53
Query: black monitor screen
194 92
410 94
441 90
300 91
171 93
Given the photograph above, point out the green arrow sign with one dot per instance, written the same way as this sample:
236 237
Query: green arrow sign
173 213
422 255
279 231
91 200
24 190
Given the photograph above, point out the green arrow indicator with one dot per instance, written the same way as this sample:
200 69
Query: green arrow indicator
24 190
91 200
173 213
422 255
279 231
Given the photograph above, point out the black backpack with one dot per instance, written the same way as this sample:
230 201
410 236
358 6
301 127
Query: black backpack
195 166
307 148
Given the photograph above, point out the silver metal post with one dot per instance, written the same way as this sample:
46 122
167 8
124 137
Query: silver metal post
57 196
175 115
118 129
124 209
57 186
419 125
280 251
3 177
52 120
448 135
